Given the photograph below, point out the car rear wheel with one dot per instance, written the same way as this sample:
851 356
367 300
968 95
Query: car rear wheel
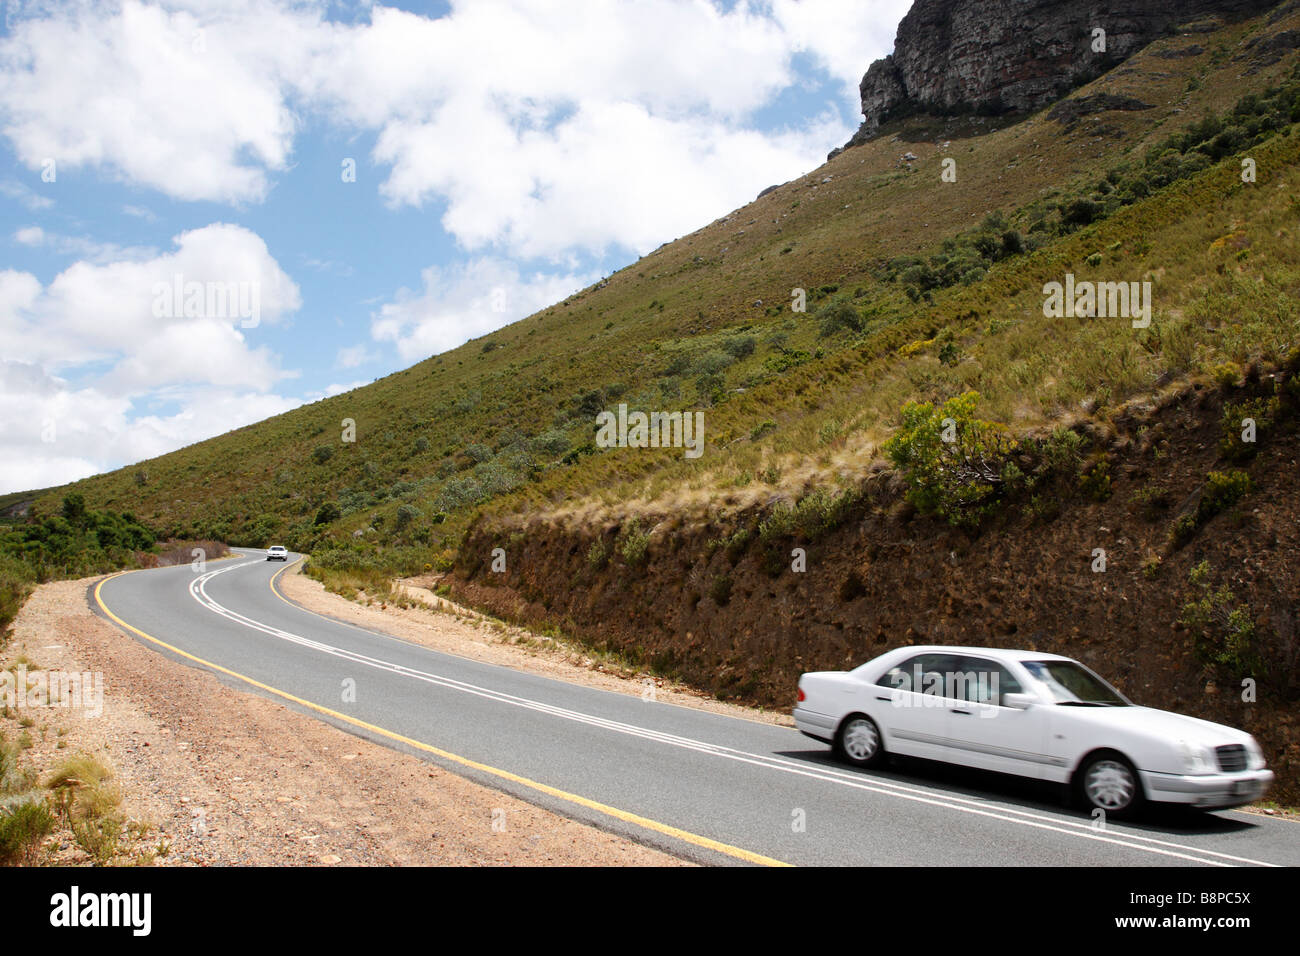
858 741
1109 783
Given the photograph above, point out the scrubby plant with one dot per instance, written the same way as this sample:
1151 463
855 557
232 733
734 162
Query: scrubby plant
1222 490
88 799
598 555
1095 482
25 821
406 515
1251 419
954 463
634 544
1224 631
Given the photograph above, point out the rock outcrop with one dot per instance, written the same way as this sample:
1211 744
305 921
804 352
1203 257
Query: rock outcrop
957 56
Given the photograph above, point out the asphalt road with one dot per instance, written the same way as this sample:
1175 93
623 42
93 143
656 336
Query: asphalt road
711 788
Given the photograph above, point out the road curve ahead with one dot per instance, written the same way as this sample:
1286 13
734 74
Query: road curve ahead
708 787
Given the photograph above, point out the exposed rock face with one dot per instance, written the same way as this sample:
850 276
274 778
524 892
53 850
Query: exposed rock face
992 57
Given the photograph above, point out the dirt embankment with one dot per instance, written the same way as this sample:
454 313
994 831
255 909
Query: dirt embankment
215 775
742 625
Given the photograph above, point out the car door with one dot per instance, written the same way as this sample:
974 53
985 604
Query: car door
982 732
911 705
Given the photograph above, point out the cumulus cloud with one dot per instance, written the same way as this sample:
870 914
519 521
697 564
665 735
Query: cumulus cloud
546 128
54 432
461 302
125 312
88 355
182 101
843 36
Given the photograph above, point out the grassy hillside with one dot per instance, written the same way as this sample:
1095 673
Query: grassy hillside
918 289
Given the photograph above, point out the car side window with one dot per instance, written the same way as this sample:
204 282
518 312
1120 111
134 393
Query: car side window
980 681
922 674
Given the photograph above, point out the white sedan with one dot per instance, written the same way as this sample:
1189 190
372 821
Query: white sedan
1034 715
277 552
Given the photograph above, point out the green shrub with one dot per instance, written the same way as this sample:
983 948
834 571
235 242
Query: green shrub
327 512
1261 411
1095 483
1226 374
405 515
598 555
741 346
322 454
24 822
1222 490
1224 631
634 544
837 315
16 580
955 464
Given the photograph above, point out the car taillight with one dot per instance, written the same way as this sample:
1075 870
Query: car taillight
802 697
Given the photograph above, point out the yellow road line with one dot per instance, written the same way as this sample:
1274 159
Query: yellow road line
624 815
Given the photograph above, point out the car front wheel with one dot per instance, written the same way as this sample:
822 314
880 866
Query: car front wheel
1109 783
858 741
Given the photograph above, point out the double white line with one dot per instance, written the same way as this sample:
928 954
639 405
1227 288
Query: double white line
1079 829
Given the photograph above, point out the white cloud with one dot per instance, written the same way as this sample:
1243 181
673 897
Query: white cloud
465 301
611 173
87 248
844 36
84 353
105 312
546 127
21 193
54 433
335 389
184 102
354 355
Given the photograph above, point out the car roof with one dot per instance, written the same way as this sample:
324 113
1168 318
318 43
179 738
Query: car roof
997 653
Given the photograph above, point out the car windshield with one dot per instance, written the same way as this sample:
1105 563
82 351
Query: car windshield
1072 684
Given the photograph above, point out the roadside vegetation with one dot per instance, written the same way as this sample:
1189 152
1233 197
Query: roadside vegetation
78 801
77 541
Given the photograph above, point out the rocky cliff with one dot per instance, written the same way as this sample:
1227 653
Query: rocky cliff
953 56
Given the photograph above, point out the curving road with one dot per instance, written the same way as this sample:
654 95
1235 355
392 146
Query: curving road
711 788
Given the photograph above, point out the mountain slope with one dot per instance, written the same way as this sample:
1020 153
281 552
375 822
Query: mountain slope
512 413
803 536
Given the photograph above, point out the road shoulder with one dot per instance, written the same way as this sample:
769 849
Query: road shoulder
217 775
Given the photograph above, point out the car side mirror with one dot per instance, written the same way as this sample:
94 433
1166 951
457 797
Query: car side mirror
1018 701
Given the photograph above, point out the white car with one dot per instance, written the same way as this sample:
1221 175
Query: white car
1034 715
277 552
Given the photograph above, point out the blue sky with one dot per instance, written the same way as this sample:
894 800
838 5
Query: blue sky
506 153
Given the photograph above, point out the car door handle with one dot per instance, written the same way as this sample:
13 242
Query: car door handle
966 712
878 697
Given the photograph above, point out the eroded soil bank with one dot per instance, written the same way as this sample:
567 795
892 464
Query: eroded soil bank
726 612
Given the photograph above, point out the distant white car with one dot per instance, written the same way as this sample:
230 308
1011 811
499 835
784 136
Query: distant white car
277 552
1034 715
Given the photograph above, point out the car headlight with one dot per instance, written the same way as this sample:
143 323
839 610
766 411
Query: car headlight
1197 758
1256 754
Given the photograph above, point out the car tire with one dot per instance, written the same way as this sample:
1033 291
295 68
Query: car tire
1107 781
859 742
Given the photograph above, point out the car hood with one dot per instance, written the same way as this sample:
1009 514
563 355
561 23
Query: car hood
1160 724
